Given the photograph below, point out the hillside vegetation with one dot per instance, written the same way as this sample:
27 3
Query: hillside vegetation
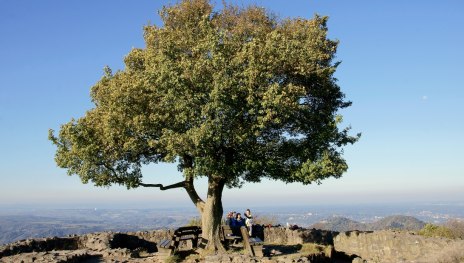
452 229
398 222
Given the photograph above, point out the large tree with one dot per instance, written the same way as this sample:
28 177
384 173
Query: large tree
234 95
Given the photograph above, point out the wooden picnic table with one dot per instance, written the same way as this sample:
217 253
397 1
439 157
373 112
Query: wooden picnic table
254 245
229 236
169 246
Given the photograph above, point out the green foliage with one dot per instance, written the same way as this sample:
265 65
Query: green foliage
234 94
431 230
311 248
173 259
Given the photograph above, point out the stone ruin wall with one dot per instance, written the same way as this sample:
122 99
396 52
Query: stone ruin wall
148 240
104 241
379 246
281 235
396 246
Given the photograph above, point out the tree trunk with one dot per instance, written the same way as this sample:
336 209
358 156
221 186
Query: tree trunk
212 214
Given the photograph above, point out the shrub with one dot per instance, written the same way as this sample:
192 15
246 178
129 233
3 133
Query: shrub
431 230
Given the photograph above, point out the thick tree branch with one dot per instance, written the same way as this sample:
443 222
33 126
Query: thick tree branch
161 187
187 184
196 199
189 187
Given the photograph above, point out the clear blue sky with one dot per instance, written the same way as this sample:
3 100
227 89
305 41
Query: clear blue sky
401 67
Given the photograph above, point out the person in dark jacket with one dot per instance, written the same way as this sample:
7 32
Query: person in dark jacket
239 221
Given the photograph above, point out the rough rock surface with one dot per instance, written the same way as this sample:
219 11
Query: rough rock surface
141 247
96 247
394 246
281 235
359 247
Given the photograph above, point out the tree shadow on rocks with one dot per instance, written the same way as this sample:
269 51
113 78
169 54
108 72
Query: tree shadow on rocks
91 259
333 256
132 242
275 250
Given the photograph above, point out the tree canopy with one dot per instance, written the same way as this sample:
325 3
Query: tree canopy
236 95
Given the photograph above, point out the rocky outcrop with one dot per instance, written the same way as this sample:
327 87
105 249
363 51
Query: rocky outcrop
106 245
44 244
395 246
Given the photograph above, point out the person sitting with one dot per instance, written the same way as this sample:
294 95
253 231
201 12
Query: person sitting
249 225
239 221
233 219
249 221
229 219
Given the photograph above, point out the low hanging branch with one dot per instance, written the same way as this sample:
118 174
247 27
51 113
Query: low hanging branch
161 187
187 185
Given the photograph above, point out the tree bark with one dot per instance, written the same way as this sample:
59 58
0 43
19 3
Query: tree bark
212 214
211 211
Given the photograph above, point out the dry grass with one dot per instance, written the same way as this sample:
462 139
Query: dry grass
194 257
457 228
452 254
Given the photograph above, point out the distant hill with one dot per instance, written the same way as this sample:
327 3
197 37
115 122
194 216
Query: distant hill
66 222
397 222
339 224
342 224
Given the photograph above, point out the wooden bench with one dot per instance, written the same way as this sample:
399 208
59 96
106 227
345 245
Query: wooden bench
169 246
229 236
254 245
